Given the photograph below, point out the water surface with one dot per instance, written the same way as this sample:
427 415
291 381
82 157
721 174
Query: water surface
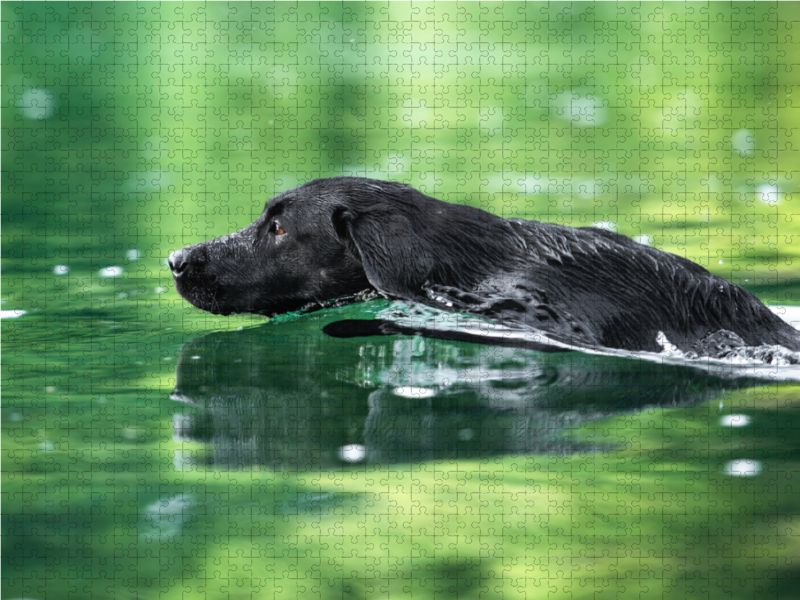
161 452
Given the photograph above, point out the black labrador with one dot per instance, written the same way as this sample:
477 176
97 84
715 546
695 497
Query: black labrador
341 236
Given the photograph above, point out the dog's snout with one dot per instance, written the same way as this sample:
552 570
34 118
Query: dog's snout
186 259
177 262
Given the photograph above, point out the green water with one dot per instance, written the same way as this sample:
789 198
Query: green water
482 470
391 466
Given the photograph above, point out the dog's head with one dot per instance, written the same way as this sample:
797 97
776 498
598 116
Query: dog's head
324 239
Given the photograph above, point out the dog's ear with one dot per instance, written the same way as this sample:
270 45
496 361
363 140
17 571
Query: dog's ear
394 256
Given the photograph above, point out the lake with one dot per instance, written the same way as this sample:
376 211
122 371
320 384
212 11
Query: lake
150 450
157 451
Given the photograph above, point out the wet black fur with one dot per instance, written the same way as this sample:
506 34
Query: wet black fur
588 286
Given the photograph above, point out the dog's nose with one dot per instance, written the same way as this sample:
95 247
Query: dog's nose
177 262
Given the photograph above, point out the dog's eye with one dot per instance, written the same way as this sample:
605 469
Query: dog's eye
277 229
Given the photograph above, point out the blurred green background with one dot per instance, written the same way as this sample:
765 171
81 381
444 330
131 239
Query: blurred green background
152 125
131 129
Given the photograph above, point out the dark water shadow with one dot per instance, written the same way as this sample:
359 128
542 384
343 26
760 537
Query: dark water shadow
288 396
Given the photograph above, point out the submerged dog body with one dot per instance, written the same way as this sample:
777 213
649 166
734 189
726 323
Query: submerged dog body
340 236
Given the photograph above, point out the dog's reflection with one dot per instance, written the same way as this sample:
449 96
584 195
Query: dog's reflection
287 396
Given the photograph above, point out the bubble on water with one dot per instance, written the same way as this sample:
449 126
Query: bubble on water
735 420
11 314
743 467
352 453
60 270
111 272
38 104
768 194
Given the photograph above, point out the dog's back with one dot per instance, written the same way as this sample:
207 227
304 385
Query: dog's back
631 292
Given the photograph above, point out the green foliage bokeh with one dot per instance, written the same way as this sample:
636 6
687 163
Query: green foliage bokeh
153 125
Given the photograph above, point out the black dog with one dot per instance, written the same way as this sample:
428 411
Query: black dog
340 236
